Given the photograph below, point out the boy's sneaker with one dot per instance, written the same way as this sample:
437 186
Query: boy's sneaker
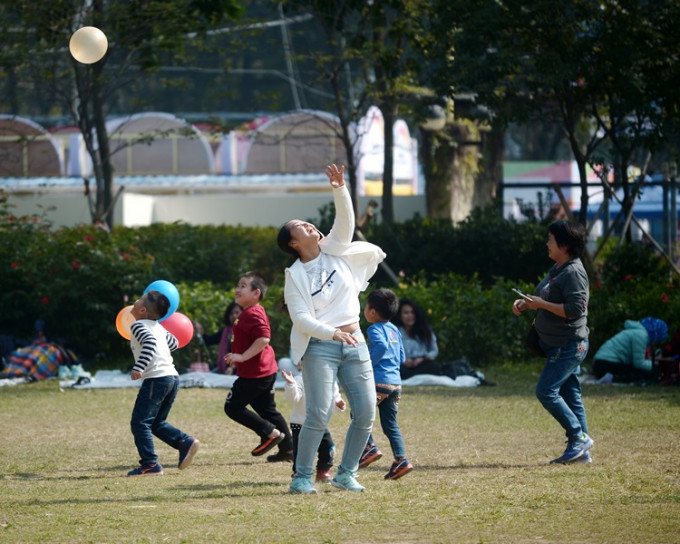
154 470
281 456
187 452
370 455
575 449
346 481
323 476
266 444
399 468
302 485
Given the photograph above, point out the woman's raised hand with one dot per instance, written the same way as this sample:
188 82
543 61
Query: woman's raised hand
336 175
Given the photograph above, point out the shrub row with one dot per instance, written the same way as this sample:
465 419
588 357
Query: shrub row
77 279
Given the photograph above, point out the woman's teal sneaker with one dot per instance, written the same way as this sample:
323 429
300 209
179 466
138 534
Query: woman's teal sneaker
302 485
346 481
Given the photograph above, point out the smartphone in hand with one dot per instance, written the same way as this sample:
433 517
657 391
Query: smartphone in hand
523 295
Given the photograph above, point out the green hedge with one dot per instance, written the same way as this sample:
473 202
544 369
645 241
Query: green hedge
77 279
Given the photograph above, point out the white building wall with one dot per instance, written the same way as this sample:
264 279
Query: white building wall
134 209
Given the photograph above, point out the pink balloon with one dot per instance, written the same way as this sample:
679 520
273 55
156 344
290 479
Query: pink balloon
180 326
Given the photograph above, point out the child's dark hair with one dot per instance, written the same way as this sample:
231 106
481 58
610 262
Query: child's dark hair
569 235
157 304
256 282
384 301
421 328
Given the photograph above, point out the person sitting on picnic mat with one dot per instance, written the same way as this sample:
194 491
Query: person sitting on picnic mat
627 355
39 360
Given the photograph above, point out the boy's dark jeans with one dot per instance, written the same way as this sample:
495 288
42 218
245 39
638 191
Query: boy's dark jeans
154 401
258 393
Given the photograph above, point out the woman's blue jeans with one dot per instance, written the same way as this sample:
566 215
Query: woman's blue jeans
153 404
323 362
558 388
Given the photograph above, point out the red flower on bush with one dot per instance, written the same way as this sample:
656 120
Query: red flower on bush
89 238
15 265
10 218
126 256
628 277
45 301
75 265
664 298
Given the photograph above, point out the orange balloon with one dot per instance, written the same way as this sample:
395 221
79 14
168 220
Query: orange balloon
124 321
180 326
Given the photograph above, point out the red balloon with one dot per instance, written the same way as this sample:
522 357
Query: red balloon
180 326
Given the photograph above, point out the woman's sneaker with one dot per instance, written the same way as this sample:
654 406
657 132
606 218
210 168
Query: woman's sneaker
585 459
370 455
346 481
302 485
153 470
575 449
399 468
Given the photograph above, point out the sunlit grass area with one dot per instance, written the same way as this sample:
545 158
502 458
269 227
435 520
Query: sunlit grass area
481 472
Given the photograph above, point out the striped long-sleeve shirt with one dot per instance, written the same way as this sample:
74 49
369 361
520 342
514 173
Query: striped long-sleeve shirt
151 345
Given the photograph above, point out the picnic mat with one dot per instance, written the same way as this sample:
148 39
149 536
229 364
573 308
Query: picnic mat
106 379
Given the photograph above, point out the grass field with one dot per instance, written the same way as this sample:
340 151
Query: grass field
481 458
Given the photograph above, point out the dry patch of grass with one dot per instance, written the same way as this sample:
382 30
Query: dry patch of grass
481 472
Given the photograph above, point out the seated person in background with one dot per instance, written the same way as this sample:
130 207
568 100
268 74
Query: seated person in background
625 355
222 337
39 359
420 343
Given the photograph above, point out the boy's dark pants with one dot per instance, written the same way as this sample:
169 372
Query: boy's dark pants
325 451
258 393
153 404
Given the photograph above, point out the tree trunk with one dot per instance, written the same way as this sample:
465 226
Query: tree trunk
450 161
389 112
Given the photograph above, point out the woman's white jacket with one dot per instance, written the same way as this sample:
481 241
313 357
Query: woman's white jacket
362 258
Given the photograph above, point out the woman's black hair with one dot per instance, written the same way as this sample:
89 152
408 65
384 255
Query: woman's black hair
422 331
233 304
569 235
283 239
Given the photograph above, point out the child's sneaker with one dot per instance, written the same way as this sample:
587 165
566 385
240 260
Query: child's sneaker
302 485
370 455
347 481
399 468
281 456
266 444
323 476
575 449
187 452
154 470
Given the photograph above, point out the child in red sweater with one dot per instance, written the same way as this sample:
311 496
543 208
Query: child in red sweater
256 368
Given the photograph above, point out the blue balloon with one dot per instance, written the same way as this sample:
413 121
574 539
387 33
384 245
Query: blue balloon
170 291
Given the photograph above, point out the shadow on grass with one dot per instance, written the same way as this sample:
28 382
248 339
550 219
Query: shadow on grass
237 489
